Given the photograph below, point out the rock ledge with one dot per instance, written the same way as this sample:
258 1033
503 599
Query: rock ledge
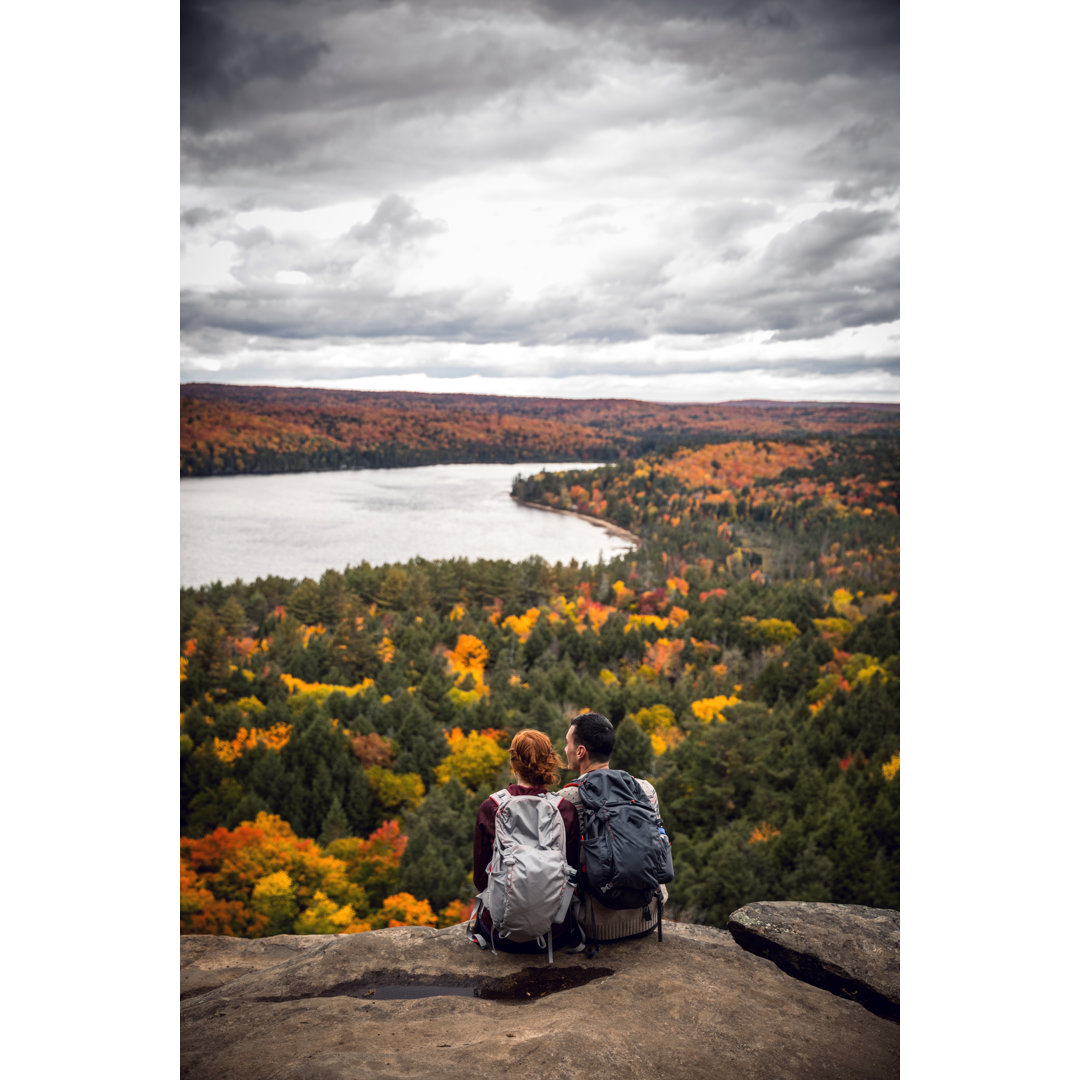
414 1001
850 950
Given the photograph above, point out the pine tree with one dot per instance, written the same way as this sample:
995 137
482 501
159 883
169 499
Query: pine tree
438 859
633 750
305 603
233 617
335 824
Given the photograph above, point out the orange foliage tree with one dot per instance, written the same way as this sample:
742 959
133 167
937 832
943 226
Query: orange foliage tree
260 878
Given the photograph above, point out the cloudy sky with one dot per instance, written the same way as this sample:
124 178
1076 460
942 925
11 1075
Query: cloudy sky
671 200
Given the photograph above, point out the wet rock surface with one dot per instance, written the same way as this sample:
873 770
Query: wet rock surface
417 1002
850 950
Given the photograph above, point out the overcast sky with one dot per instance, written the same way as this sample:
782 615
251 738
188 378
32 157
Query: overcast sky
660 199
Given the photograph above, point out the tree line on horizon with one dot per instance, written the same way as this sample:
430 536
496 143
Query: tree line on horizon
337 736
229 430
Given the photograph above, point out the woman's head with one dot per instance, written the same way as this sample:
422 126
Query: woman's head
533 759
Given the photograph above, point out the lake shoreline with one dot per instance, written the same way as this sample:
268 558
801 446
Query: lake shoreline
607 526
297 525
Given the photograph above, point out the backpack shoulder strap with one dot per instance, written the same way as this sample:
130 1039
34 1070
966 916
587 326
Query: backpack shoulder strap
553 801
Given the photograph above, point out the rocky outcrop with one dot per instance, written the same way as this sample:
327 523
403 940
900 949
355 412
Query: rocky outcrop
418 1002
847 949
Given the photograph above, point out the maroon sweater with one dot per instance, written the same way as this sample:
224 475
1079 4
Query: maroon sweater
484 839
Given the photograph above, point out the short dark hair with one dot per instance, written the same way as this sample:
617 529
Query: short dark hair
596 733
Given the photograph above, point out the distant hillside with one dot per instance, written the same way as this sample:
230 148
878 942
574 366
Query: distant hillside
228 429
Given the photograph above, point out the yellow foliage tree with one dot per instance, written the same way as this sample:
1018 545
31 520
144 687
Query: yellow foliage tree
248 738
772 631
323 916
300 692
709 709
477 760
844 603
862 668
521 625
652 717
658 722
468 657
678 615
394 792
403 909
274 896
834 627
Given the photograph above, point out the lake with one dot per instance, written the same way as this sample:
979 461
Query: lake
297 525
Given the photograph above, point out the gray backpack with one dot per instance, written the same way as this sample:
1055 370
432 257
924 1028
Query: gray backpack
530 884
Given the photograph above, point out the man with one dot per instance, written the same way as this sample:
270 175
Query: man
589 743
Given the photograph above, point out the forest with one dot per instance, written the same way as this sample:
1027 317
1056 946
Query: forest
229 430
337 736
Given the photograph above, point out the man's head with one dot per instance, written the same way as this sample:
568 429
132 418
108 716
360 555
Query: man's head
589 742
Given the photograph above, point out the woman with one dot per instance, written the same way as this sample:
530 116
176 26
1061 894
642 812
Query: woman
535 766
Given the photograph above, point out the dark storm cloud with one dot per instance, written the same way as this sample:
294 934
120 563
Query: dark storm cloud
221 54
872 145
295 87
819 244
315 80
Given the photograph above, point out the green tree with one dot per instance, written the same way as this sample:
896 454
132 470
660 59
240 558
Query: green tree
335 824
208 666
437 862
305 603
422 744
233 617
633 750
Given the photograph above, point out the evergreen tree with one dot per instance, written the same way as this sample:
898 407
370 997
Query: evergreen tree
305 603
421 741
247 809
633 750
335 824
233 617
208 666
437 862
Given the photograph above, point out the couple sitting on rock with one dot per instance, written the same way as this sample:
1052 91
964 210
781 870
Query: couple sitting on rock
577 867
